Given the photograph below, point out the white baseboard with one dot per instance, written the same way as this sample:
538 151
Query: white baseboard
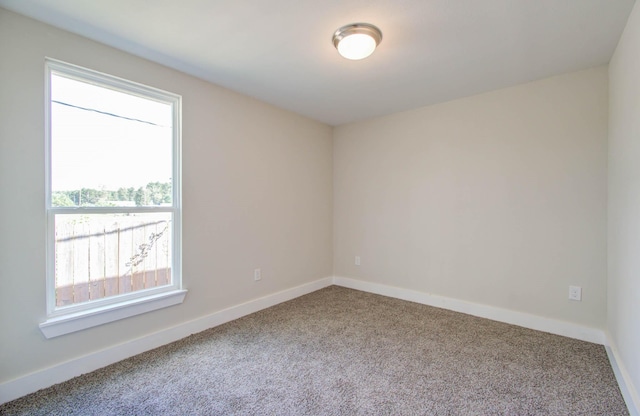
526 320
30 383
628 390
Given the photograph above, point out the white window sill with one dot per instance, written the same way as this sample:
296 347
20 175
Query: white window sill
61 325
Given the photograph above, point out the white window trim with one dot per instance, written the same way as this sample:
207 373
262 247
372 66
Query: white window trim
78 321
68 319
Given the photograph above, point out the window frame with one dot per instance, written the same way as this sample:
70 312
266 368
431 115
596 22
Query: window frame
71 318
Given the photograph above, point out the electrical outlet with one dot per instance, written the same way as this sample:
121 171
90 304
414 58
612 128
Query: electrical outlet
357 260
257 275
575 293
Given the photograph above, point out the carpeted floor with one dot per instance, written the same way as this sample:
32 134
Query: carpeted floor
343 352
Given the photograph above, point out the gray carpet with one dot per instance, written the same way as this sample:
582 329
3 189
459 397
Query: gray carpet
343 352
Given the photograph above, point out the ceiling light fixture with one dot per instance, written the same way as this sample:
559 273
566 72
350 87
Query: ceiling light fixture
357 40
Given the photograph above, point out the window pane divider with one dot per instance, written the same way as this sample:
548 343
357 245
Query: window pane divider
110 210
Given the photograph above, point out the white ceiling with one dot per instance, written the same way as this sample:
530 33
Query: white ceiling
280 51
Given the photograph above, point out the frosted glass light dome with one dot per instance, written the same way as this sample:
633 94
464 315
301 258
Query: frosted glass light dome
357 41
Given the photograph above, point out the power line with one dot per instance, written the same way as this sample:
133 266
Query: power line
107 114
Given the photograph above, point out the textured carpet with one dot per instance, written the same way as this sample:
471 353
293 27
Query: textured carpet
343 352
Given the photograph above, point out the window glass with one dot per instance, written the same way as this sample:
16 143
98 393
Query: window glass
108 148
103 255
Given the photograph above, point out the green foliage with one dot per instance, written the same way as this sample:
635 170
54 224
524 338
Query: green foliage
141 197
159 192
61 199
154 193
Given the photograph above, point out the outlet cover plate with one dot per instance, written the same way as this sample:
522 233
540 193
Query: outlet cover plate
575 293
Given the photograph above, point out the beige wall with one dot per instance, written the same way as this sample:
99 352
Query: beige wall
257 191
497 199
624 202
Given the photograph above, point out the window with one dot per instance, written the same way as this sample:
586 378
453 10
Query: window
113 199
